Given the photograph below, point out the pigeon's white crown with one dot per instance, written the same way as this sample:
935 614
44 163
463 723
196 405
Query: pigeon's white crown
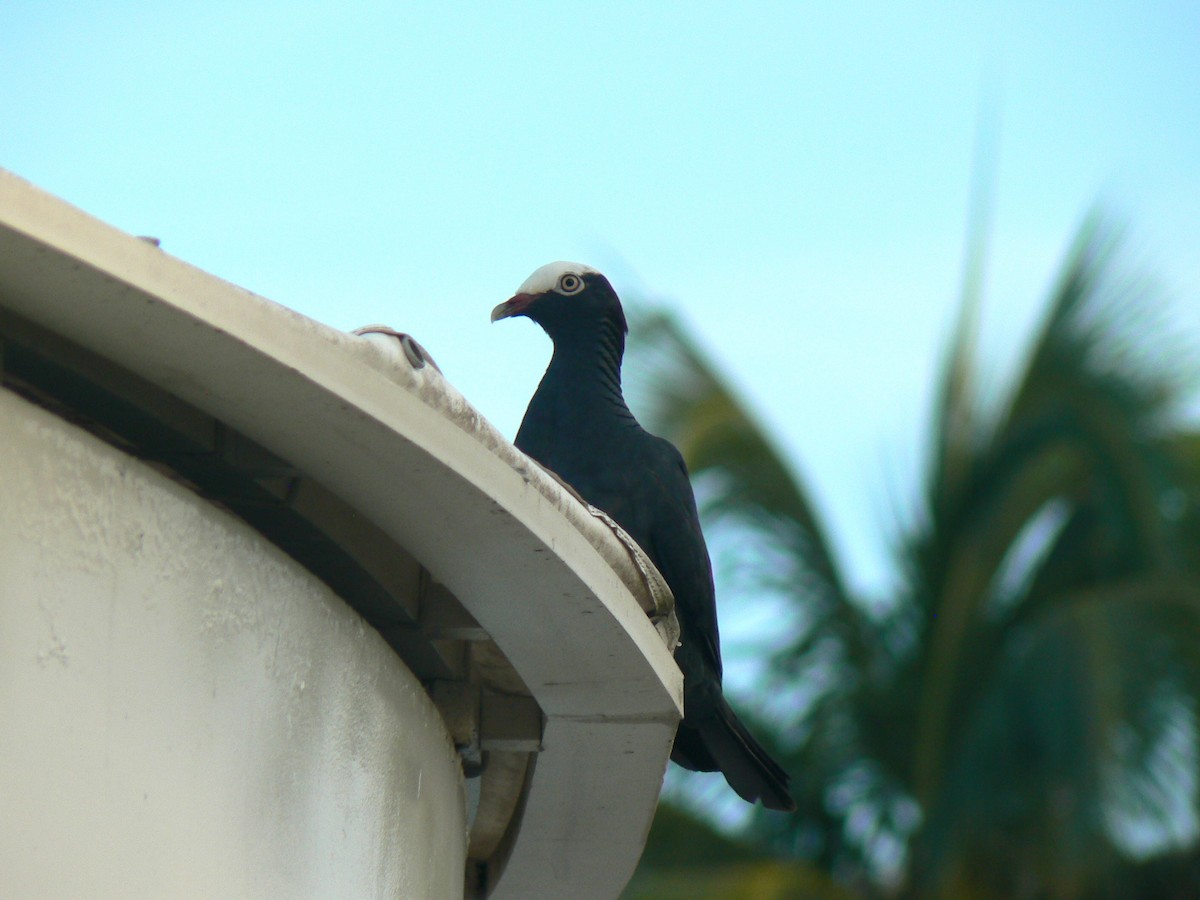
546 278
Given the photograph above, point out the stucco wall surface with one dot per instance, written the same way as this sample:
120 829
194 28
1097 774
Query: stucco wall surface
185 711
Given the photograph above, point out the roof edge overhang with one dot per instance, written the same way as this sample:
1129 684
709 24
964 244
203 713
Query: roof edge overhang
553 586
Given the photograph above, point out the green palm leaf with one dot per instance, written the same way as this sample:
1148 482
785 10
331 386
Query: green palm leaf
1022 719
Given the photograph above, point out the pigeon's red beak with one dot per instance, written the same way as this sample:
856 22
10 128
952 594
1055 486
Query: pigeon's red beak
513 306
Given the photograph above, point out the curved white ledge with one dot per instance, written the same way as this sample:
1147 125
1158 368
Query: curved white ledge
550 584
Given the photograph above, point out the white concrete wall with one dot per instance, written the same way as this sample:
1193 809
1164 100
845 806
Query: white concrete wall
187 712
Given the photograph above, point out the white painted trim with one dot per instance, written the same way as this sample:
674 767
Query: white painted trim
554 588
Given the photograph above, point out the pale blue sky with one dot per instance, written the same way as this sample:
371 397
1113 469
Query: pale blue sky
793 178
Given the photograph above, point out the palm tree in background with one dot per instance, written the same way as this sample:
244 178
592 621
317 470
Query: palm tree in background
1020 718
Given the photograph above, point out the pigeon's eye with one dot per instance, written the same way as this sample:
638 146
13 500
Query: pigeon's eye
570 284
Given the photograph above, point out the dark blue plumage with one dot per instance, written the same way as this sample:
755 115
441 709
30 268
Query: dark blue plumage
578 426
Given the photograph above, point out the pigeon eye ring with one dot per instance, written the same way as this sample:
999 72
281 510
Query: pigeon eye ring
569 284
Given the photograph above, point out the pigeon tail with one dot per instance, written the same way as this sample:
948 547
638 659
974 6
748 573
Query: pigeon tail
722 743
